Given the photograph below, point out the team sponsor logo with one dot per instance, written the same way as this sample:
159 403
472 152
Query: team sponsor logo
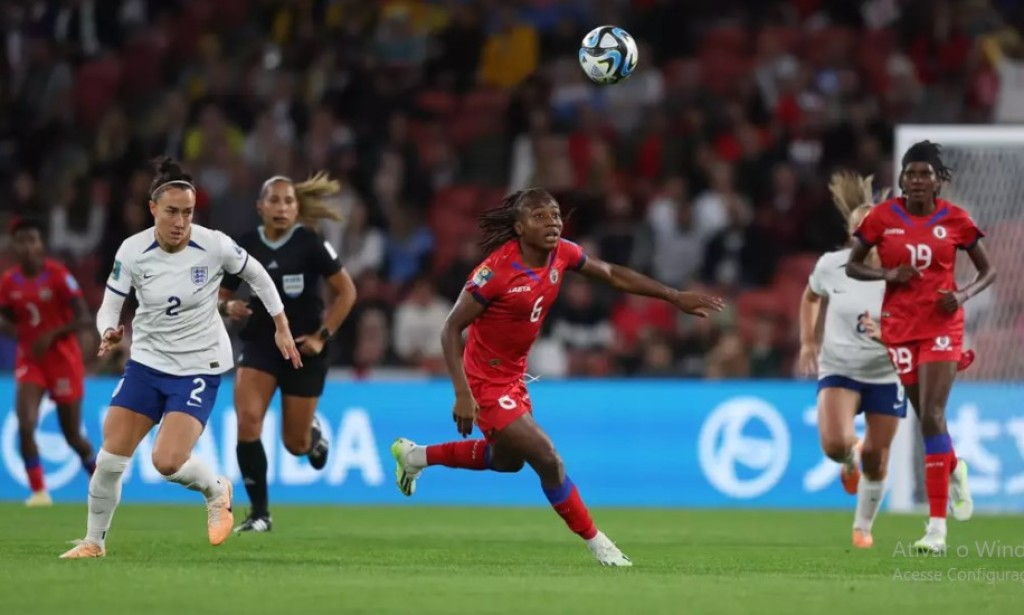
293 284
116 273
200 275
939 232
744 447
553 276
894 231
482 275
518 289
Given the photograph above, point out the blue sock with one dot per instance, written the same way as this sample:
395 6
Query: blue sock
937 444
561 493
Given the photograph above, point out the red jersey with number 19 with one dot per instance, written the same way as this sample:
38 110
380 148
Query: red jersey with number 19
518 298
910 311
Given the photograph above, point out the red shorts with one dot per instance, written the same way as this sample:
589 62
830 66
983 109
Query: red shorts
907 356
59 373
500 406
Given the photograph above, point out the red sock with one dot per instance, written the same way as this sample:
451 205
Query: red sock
466 454
936 483
566 501
36 482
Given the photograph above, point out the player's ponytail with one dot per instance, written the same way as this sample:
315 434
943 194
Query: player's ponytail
169 174
498 224
312 196
852 193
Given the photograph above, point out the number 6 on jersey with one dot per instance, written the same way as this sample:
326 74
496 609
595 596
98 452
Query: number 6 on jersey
537 309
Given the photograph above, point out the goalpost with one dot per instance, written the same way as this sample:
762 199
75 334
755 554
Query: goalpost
988 181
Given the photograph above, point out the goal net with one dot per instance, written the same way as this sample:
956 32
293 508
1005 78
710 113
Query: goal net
988 181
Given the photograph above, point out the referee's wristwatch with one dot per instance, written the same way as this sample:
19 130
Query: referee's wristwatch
325 334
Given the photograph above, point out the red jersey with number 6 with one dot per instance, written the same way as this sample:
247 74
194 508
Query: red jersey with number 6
41 303
518 298
911 311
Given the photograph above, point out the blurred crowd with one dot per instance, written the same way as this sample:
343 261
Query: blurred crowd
706 168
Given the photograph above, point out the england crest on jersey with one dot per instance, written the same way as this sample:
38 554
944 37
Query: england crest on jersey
200 275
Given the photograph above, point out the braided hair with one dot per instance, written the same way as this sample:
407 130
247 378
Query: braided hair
498 224
930 153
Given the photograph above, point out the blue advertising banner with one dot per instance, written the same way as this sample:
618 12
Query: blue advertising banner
624 442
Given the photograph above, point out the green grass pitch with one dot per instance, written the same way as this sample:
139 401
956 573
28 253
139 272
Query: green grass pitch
417 560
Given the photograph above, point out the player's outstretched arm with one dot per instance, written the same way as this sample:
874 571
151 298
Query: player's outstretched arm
810 311
633 282
467 309
952 300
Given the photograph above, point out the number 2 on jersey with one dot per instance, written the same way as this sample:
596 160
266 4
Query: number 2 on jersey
537 309
175 304
920 255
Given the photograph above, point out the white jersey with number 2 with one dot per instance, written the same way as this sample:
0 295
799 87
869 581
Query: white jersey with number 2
177 328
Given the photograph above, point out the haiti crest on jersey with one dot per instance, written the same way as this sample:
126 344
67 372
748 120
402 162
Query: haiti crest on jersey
199 275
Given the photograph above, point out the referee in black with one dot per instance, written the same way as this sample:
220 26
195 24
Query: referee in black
296 257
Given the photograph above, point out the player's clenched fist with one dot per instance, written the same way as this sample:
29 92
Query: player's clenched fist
111 338
951 300
237 310
871 328
902 274
464 413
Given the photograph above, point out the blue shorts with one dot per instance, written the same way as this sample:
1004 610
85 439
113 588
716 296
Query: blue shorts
879 398
153 393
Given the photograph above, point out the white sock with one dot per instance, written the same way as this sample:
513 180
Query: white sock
937 525
418 456
104 494
195 475
869 500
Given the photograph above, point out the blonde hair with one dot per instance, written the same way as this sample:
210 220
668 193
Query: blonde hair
851 193
312 196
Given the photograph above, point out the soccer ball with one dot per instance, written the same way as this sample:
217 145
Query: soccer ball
608 55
